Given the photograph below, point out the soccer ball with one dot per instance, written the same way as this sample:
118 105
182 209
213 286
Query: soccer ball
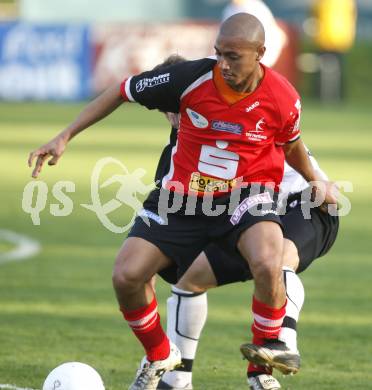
73 376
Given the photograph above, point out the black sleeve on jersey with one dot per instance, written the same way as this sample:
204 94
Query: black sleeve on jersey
162 88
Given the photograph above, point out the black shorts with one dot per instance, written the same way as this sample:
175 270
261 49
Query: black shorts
312 237
183 237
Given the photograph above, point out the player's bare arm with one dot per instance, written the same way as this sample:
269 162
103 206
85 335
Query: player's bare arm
96 110
297 157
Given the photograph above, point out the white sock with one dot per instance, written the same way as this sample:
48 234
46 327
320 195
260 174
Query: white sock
186 316
295 300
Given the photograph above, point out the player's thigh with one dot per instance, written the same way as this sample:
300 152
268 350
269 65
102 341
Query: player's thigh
254 227
139 260
181 240
199 276
229 266
262 246
290 255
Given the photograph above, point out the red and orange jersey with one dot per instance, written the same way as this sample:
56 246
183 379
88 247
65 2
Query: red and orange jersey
225 137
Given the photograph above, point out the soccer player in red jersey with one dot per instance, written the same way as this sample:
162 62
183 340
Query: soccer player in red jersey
239 120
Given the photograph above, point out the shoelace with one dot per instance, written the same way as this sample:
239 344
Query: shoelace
146 375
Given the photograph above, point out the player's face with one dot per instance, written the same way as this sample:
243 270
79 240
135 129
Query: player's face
238 60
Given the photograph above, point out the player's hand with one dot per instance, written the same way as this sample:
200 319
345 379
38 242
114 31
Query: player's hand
53 149
328 192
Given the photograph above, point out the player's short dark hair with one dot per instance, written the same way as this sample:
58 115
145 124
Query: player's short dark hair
171 60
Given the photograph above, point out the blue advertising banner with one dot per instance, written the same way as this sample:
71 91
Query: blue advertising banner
44 62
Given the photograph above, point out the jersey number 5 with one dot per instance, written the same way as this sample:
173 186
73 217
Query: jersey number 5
217 162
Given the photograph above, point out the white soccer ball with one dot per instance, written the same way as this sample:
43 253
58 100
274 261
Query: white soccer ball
73 376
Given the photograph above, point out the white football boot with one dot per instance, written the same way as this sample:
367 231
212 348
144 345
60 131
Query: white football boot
149 373
263 382
165 386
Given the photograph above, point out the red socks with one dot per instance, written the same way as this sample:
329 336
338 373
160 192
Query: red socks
145 323
266 325
267 321
254 370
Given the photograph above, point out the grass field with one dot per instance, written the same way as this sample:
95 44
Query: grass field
59 305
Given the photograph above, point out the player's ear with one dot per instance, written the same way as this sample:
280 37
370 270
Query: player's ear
260 53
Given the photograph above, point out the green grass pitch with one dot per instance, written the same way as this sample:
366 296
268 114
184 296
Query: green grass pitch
59 305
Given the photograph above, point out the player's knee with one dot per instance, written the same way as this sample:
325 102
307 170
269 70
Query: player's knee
268 279
126 276
267 268
268 257
267 271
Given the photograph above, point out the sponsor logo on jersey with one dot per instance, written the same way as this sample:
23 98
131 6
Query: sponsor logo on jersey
247 203
234 128
152 82
256 134
259 125
252 106
197 119
202 183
